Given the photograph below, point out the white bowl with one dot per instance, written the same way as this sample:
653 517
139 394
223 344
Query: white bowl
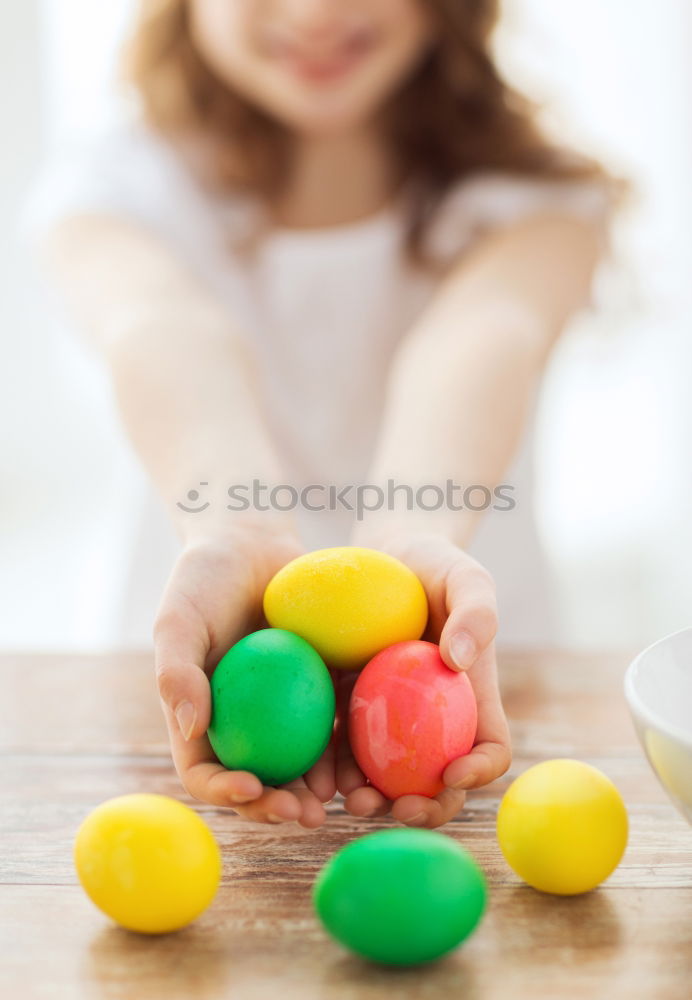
658 689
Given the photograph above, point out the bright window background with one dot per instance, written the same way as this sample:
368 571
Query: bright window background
615 426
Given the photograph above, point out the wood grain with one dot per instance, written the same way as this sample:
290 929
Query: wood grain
77 729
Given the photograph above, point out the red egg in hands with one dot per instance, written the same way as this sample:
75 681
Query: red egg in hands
410 716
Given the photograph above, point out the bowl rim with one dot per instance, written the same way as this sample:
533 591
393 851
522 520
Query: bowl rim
638 707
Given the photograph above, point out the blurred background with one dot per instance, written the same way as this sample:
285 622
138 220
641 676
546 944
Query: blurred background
615 422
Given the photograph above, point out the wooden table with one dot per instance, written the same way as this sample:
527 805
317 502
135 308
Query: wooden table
75 730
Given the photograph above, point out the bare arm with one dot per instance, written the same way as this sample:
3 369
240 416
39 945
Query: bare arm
187 393
184 380
458 396
464 376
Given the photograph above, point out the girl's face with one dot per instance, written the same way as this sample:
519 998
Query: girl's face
317 66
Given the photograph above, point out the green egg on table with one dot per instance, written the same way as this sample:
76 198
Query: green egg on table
401 896
272 706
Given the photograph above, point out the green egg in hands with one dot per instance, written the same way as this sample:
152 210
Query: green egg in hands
272 706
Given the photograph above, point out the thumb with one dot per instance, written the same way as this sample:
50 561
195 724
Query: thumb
473 619
179 653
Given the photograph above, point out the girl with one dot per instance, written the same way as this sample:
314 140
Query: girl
332 248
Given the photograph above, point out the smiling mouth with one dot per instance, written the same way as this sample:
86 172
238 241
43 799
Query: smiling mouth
316 67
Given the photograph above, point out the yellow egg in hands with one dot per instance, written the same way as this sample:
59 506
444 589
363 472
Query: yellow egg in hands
562 826
348 603
148 862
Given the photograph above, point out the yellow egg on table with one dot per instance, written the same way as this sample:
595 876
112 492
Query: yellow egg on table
562 826
148 862
348 602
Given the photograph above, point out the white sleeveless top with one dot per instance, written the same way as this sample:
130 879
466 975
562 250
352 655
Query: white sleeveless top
324 310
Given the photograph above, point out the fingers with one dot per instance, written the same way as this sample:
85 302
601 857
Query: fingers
411 810
275 805
348 775
312 811
320 779
179 654
184 689
366 801
472 613
360 798
206 779
486 762
202 775
213 783
195 624
420 811
491 754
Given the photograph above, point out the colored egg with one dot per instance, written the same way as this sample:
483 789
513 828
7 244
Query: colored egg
272 706
148 862
347 602
562 826
401 896
409 717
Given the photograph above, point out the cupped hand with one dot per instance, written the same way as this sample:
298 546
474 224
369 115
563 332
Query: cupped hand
212 599
463 620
